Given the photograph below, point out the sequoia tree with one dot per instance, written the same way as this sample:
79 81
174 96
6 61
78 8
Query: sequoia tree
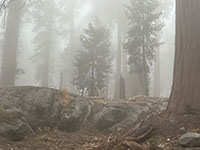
44 16
185 95
10 47
70 9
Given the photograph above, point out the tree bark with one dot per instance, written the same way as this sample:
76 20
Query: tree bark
185 95
61 81
92 91
46 70
144 69
9 60
92 87
70 52
122 88
156 84
118 69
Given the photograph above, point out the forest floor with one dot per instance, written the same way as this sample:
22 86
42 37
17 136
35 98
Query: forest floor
167 130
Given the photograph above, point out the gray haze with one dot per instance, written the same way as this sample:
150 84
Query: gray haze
67 35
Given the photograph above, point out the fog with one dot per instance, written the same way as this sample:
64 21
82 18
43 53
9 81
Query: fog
167 55
52 34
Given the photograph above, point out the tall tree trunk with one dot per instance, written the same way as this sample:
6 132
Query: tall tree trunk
61 81
72 48
92 86
9 60
92 91
70 51
122 88
185 96
156 84
46 69
144 69
118 69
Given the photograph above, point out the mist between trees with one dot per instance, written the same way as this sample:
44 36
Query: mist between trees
106 48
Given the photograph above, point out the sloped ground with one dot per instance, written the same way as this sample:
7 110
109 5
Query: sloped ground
165 136
56 140
88 138
160 131
167 130
26 109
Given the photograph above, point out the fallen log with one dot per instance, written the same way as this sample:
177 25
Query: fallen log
133 145
142 137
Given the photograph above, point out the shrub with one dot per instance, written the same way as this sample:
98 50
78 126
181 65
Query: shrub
66 98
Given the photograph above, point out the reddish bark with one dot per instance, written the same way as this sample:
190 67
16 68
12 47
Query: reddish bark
185 96
9 60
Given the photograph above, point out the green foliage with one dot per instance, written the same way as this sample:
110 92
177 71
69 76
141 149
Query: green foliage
142 35
93 62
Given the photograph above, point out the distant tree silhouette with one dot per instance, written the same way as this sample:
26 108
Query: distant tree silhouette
142 37
10 47
93 62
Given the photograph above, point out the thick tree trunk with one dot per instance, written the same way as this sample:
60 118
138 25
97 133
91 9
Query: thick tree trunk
185 96
46 70
92 91
118 69
144 70
61 81
156 84
9 60
122 88
92 86
70 52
